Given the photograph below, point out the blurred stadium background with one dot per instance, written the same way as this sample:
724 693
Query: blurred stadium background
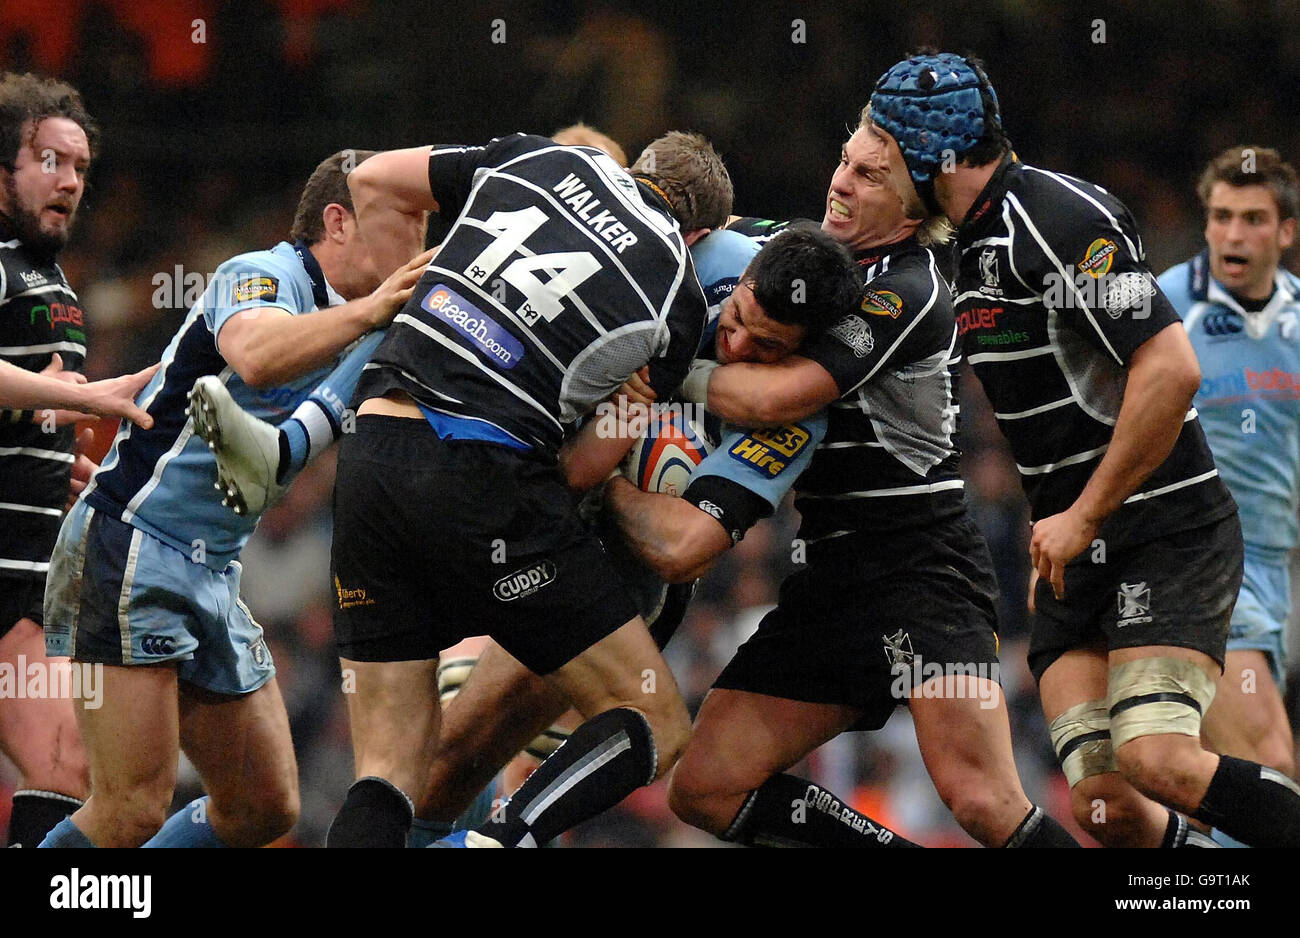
206 144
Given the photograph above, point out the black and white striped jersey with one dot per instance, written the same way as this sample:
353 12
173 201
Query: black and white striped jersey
889 460
39 316
560 277
1053 298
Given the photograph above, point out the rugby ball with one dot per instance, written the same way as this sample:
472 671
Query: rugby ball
663 459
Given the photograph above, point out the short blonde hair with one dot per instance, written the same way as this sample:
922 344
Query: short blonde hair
580 135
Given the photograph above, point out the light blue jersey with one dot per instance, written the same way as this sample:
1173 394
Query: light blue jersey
1249 399
161 480
1249 405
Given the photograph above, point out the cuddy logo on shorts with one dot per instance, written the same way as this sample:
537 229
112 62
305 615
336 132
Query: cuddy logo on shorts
491 341
256 288
524 582
768 452
882 303
1134 603
154 645
854 332
1098 258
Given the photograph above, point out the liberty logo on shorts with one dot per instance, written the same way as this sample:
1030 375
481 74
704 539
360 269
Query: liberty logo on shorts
524 582
1134 602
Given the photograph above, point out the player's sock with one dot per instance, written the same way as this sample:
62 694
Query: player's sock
604 760
188 827
1255 804
1179 834
35 813
318 421
786 811
1040 829
376 813
426 833
65 834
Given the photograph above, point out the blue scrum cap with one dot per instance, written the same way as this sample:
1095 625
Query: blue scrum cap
934 103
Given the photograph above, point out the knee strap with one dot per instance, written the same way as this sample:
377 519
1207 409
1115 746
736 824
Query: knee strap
1081 737
1156 696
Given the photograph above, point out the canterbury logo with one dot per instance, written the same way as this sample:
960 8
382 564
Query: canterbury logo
157 645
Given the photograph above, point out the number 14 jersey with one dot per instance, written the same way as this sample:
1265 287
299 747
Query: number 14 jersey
561 276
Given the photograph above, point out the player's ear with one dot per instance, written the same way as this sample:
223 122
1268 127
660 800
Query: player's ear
1285 233
695 235
335 216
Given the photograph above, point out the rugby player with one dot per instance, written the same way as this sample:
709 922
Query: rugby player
898 577
145 575
47 142
1136 542
453 462
1240 310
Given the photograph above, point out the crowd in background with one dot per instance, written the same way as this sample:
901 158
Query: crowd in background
206 143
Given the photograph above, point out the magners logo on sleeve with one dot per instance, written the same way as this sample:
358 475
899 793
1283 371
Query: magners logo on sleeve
1098 258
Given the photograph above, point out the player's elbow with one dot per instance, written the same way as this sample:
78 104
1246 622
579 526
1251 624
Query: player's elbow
684 561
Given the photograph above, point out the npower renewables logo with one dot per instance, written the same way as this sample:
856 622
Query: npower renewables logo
492 342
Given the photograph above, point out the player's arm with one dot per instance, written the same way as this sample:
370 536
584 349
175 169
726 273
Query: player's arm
1163 377
267 344
737 485
599 446
1130 320
670 535
758 395
392 198
21 390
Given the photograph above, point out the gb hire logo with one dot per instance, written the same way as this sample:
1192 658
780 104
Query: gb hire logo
1098 258
770 451
490 340
524 582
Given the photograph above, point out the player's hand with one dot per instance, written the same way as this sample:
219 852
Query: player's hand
55 370
1057 540
1033 585
391 295
82 468
115 397
637 389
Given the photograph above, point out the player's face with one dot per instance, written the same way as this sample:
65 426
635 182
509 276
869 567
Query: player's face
40 197
863 204
1246 238
747 334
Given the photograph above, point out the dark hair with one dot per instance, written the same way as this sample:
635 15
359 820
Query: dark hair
29 97
690 174
328 184
804 277
1253 166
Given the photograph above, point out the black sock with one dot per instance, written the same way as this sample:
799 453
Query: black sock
1254 804
35 813
1040 829
786 811
375 814
603 761
1181 835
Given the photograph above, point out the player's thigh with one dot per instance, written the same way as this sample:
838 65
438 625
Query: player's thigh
1248 719
1078 676
741 739
499 708
240 745
132 739
964 734
623 669
39 734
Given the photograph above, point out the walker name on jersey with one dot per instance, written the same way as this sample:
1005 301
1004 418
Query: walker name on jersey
1270 383
492 342
574 193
